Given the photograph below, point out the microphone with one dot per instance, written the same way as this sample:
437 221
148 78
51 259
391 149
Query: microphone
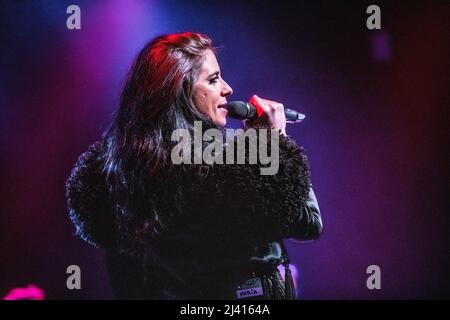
243 110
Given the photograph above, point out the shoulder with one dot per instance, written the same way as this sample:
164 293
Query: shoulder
87 196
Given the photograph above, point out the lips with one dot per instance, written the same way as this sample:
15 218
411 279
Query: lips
223 105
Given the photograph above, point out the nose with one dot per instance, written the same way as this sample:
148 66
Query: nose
226 90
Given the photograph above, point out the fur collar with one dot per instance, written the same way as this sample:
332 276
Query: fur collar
215 195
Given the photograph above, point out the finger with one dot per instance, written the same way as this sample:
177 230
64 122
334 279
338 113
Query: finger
266 104
255 100
273 105
260 105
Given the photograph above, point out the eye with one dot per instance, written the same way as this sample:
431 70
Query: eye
213 80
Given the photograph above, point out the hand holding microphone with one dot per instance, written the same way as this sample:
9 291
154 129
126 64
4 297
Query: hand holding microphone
262 112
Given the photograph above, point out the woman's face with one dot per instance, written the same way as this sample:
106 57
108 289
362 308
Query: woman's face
210 91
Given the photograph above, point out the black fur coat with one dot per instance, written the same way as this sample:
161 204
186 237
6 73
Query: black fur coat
215 220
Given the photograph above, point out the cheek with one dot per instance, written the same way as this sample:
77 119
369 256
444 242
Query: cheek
202 102
202 98
198 97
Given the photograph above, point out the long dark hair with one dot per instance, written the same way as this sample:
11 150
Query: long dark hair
156 99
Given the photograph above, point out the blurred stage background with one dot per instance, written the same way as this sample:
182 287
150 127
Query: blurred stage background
376 129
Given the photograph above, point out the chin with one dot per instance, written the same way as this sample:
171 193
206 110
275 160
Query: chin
221 122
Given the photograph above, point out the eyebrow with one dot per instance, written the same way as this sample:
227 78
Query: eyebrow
213 74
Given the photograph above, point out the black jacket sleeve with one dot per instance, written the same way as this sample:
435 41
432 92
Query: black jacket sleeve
309 225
